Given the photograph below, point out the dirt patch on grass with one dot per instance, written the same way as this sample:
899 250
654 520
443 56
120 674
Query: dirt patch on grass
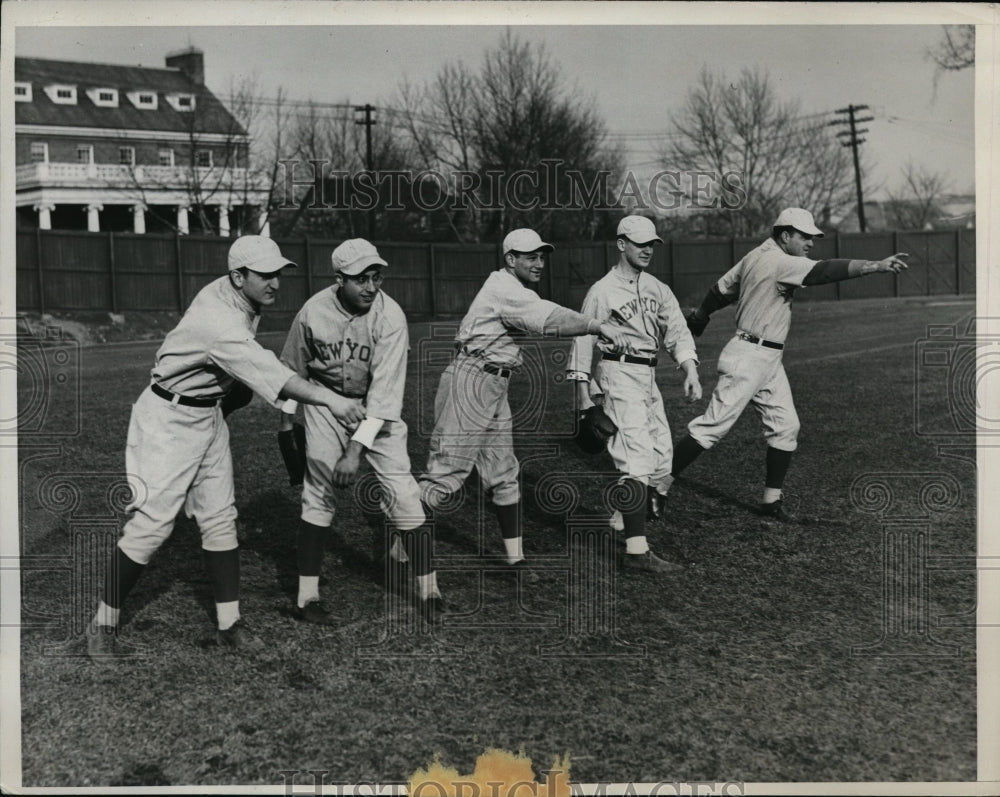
93 327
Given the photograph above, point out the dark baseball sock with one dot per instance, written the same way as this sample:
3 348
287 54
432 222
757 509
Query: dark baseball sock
629 498
121 577
224 572
777 466
685 452
507 516
418 543
309 555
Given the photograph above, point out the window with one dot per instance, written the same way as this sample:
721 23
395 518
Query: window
61 93
39 152
204 157
22 92
126 156
143 99
181 102
84 153
166 157
104 97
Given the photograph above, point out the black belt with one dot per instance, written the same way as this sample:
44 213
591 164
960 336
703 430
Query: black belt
187 401
768 344
490 368
630 358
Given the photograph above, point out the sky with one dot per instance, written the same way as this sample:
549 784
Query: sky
637 74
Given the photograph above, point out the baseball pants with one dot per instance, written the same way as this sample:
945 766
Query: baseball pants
473 429
642 449
326 440
176 457
749 374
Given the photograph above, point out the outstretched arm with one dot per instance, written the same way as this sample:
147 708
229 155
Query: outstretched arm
839 269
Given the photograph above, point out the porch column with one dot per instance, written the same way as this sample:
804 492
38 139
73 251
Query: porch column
139 218
182 220
44 215
223 221
93 217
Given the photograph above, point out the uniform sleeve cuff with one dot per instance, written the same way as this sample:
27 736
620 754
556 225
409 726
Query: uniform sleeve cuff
577 376
367 431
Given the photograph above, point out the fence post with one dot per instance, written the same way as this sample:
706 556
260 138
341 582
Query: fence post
111 271
670 255
41 279
309 269
432 278
958 260
895 274
836 254
180 274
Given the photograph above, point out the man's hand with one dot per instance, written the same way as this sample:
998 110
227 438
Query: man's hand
893 263
615 335
692 385
347 466
347 411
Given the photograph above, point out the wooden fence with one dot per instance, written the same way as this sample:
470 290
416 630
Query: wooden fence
122 272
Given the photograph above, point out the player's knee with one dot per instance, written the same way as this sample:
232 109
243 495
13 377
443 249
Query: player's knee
628 494
219 534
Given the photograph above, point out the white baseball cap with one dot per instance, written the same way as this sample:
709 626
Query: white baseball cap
524 240
355 255
638 229
257 253
801 220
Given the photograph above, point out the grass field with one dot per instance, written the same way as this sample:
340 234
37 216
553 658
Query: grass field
783 652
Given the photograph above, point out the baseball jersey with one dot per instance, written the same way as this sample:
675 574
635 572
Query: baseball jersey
214 344
503 311
765 282
645 308
359 356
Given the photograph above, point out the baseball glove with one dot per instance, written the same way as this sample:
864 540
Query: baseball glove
237 398
594 430
696 322
292 443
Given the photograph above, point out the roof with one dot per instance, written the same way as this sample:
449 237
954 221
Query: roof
209 116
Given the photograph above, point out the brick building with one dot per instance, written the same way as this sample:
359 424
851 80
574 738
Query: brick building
132 149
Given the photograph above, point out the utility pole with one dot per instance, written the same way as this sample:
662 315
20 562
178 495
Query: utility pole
365 115
849 138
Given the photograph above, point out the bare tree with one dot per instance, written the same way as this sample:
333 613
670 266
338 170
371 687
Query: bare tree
917 202
956 49
515 129
778 156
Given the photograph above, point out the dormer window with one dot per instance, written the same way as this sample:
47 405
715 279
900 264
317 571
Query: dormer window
104 98
181 102
143 99
22 92
61 94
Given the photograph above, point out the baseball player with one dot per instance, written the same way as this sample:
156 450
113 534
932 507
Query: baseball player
472 416
352 338
762 285
178 454
625 376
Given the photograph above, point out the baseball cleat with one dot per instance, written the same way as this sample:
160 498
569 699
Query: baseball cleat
616 522
239 637
432 609
102 644
313 612
775 511
524 572
649 562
